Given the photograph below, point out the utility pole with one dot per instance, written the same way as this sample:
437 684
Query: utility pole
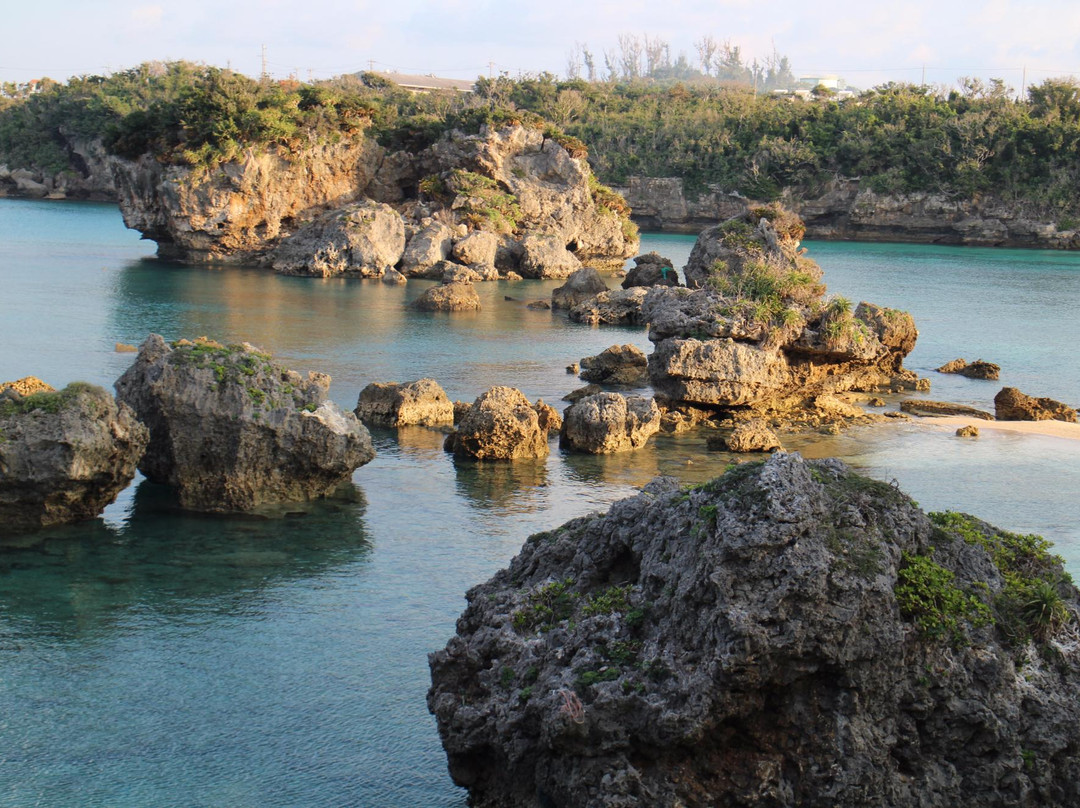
491 69
924 75
1023 83
371 65
263 76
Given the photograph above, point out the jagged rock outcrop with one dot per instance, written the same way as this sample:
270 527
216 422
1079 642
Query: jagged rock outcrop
976 370
449 297
754 330
530 197
619 364
64 455
1012 405
651 269
922 406
87 176
615 307
27 386
500 425
606 423
231 430
788 634
365 239
422 402
753 436
582 285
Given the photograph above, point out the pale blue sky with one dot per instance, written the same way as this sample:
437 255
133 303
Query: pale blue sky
866 42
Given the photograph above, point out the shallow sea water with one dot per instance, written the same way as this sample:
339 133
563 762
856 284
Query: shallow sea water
154 657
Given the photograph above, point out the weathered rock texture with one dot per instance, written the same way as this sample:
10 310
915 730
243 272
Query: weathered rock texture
753 436
449 297
761 641
500 425
527 193
755 332
231 430
921 406
976 370
651 269
422 402
619 364
27 385
848 211
1012 405
64 455
583 285
616 307
606 423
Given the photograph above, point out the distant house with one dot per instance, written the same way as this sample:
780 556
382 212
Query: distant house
426 84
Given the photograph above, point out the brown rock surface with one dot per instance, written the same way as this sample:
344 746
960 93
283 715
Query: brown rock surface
607 423
1012 405
500 425
422 402
619 364
449 297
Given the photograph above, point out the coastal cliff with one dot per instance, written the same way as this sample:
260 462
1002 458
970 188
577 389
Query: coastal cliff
848 211
788 634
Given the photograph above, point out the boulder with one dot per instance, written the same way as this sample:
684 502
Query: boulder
955 366
422 402
457 273
27 385
968 431
1012 405
619 364
607 423
651 269
64 455
921 406
582 392
753 436
790 633
500 425
545 256
584 284
718 372
365 238
393 278
549 418
976 370
449 297
231 429
616 307
430 245
476 250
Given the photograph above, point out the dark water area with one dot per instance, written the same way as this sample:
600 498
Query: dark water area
154 657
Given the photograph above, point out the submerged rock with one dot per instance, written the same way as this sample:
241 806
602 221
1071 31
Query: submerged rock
753 436
1012 405
64 455
619 364
500 425
921 406
422 402
449 297
606 423
788 634
231 429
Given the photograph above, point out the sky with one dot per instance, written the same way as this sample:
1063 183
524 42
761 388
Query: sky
867 43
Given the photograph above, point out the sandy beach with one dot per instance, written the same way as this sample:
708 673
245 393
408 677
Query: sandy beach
1055 429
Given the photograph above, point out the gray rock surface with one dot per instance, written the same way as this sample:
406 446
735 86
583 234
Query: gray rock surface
64 455
606 423
545 256
760 640
584 284
365 238
449 297
422 402
425 249
500 425
615 307
753 436
619 364
231 429
651 269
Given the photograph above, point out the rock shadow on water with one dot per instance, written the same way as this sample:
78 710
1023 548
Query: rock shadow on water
519 486
80 580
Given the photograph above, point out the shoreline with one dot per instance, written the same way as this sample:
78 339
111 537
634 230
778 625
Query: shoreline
1053 429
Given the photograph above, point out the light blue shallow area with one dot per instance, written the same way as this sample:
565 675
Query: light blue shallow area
159 658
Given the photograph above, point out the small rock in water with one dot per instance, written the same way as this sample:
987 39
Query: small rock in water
968 431
573 368
123 347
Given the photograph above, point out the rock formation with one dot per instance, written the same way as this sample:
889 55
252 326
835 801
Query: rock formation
583 285
231 429
753 436
606 423
548 418
422 402
64 455
922 406
27 385
755 332
500 425
323 206
616 307
976 370
449 297
788 634
1012 405
651 269
619 364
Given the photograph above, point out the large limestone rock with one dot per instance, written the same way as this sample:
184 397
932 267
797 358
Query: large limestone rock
231 429
422 402
607 423
477 250
753 436
1012 405
64 455
427 248
619 364
545 256
976 370
754 331
365 239
500 425
583 285
788 634
651 269
615 307
449 297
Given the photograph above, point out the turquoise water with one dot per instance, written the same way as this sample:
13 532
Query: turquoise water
158 658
